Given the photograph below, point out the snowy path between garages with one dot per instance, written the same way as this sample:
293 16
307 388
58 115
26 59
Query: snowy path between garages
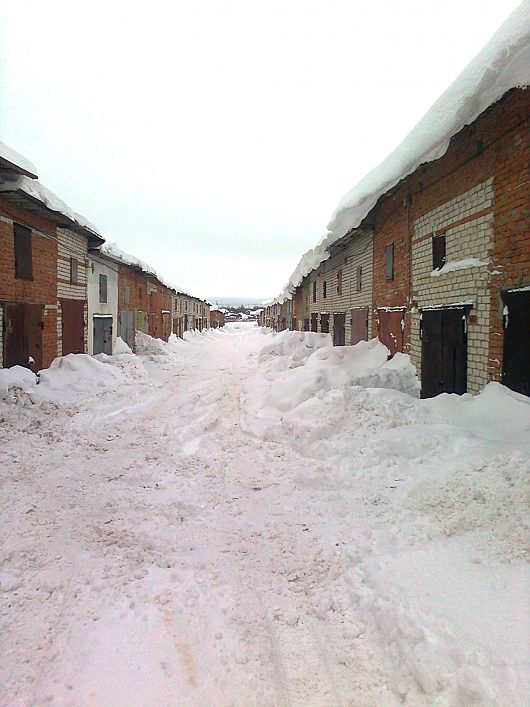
158 555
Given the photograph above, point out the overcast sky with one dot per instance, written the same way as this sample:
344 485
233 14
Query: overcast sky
213 139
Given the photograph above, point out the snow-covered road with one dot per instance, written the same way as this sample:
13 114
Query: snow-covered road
157 552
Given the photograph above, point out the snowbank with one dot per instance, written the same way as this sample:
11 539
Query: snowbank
303 367
289 349
16 377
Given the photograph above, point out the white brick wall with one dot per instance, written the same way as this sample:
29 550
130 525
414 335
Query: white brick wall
358 252
471 239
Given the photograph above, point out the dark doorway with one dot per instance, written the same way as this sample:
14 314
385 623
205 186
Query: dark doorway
23 325
73 326
324 323
314 321
306 324
359 325
102 334
390 330
443 352
339 330
516 357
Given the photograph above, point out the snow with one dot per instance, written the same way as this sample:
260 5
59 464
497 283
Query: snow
503 64
122 347
50 200
464 264
11 155
15 377
243 518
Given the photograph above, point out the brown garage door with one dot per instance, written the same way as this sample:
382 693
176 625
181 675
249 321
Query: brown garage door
23 334
73 326
339 332
359 325
390 331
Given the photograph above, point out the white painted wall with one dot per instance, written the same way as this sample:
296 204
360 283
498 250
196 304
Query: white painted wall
98 265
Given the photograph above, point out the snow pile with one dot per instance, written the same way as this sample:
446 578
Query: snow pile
283 390
122 347
76 375
289 349
16 377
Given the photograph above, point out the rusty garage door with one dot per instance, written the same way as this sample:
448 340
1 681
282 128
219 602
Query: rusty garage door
516 357
359 325
126 326
166 325
443 352
390 329
23 325
73 326
339 330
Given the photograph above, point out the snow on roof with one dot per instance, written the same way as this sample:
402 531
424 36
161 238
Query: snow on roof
503 64
51 201
111 249
17 160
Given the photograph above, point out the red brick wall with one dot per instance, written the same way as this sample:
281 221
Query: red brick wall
511 252
43 288
137 283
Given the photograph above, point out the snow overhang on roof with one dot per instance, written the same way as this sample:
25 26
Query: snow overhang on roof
12 162
33 196
111 250
503 64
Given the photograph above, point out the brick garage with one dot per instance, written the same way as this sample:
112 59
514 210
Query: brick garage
477 195
40 290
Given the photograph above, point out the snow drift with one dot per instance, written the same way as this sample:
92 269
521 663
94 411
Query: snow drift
301 367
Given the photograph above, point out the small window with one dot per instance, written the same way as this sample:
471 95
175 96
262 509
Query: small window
438 252
102 288
389 254
324 289
315 291
140 293
339 281
23 252
74 271
126 295
359 280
